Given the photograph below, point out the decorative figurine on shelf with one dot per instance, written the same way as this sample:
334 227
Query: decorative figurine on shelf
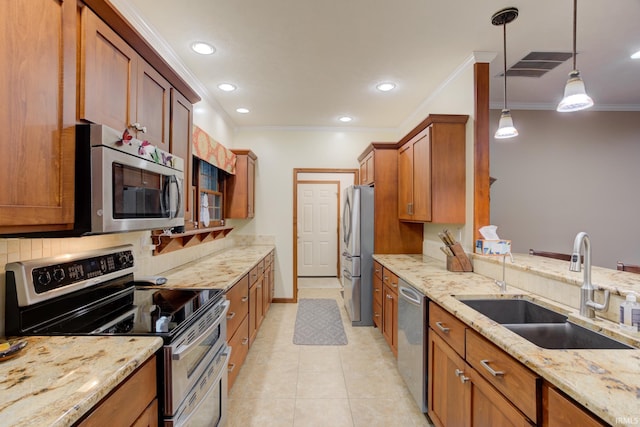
204 211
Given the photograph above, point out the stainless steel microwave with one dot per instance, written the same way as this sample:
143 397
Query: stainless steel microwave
125 184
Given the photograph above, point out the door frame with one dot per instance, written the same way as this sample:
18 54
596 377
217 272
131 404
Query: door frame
337 184
296 171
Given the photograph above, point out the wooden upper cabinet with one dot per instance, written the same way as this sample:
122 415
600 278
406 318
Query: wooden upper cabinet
367 169
431 171
180 134
37 87
118 88
240 188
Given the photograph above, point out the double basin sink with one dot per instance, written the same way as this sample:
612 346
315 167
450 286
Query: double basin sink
540 325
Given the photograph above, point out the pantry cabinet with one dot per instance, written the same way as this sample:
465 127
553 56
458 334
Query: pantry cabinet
118 88
390 235
240 188
431 171
38 121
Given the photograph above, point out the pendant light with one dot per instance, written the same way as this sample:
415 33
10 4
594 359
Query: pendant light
505 125
575 95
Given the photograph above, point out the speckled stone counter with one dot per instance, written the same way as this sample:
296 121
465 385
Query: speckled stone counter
606 382
56 380
217 271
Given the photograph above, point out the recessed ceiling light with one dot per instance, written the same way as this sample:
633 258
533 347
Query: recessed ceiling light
203 48
385 86
636 55
242 110
345 119
227 87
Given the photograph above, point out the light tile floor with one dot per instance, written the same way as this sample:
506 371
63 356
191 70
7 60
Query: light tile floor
319 282
283 384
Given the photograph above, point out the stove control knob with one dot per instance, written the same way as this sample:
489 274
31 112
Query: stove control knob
58 274
125 259
44 278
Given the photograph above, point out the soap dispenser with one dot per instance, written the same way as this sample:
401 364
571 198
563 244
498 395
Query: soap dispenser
630 313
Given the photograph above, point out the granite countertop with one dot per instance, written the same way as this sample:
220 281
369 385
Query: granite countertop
606 382
56 380
218 271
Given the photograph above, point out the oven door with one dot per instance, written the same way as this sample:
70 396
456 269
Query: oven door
132 193
188 358
206 403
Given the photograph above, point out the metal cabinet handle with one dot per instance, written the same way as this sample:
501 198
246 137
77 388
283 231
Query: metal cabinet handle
442 328
231 315
376 289
245 341
485 365
138 127
385 278
245 299
389 296
231 367
394 284
460 374
376 315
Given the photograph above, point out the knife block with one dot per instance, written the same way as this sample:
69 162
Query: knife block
459 261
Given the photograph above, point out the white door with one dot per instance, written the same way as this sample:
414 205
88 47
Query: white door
318 229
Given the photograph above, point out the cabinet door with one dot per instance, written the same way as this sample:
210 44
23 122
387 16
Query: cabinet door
251 186
405 181
153 105
266 290
370 168
559 411
181 131
390 318
363 172
38 91
447 388
253 313
422 177
260 301
240 188
108 70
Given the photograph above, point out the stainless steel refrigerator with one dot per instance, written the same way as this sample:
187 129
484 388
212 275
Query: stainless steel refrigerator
357 260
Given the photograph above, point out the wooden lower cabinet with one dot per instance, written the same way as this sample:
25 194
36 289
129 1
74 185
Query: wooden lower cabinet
377 298
239 344
560 411
131 403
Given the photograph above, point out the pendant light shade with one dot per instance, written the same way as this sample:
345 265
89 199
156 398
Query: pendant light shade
575 95
505 125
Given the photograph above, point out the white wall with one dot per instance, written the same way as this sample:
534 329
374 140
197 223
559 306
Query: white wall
566 173
279 152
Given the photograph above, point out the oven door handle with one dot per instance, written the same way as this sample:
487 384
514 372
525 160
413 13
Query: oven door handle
227 355
182 349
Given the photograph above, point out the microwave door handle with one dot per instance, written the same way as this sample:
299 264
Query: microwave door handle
174 180
180 351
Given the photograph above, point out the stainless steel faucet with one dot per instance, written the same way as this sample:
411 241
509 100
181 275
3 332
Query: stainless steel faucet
588 306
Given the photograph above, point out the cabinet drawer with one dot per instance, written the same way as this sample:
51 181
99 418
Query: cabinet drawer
448 327
238 297
559 411
377 290
505 373
390 279
239 344
377 269
253 276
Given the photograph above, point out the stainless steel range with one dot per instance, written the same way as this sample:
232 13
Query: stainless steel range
94 293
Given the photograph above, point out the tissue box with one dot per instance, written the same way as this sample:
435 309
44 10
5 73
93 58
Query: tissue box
493 247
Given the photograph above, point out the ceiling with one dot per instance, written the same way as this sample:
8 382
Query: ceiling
304 63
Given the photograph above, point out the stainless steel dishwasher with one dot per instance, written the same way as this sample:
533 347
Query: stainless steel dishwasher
412 345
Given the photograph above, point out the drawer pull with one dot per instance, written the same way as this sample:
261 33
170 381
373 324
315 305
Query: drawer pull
244 299
231 367
389 296
245 341
377 289
385 278
395 285
376 315
485 365
442 328
460 374
231 315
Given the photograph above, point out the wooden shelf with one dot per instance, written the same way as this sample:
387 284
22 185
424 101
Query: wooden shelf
166 243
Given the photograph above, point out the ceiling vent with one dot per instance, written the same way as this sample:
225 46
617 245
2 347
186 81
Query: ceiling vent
537 64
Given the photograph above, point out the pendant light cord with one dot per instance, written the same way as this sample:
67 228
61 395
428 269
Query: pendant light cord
504 55
575 24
